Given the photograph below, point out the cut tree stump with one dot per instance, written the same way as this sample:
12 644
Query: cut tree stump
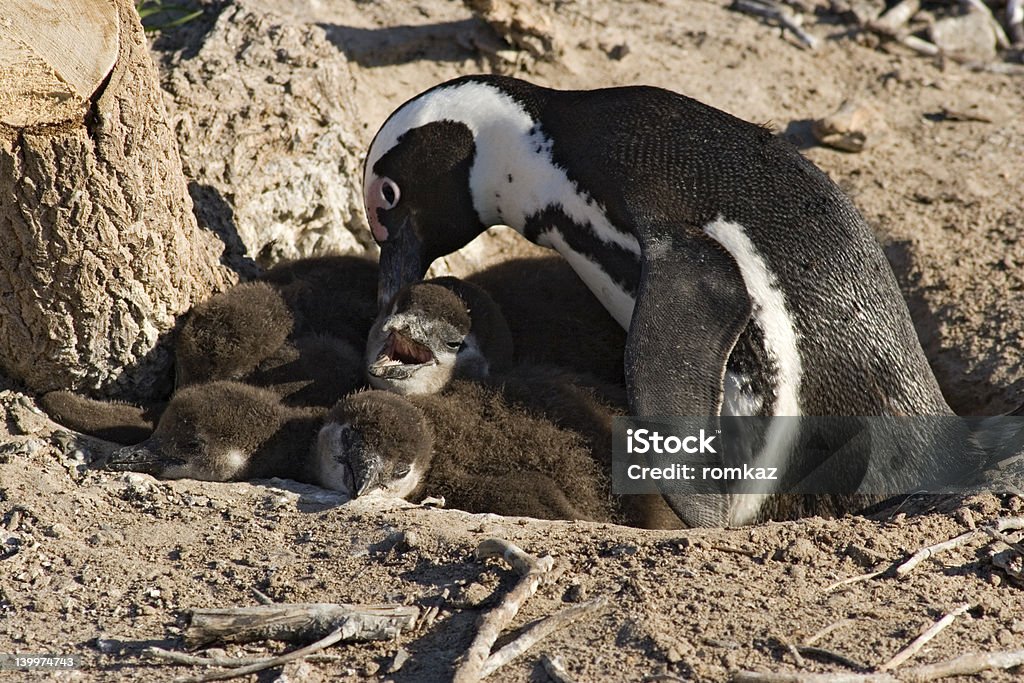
99 248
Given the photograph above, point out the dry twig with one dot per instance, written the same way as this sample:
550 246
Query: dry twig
1000 525
966 665
555 669
825 631
299 622
271 662
769 9
538 631
533 571
919 642
854 579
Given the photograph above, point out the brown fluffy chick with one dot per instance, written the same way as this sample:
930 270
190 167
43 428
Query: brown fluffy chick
433 332
414 360
227 336
329 295
469 445
226 431
554 319
109 420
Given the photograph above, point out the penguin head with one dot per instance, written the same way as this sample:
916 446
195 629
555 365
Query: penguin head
416 185
208 431
374 442
433 332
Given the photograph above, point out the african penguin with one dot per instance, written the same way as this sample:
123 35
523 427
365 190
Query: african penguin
554 319
433 332
329 295
468 445
747 281
227 336
226 431
436 313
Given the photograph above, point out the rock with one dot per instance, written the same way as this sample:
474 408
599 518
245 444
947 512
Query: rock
968 37
399 660
851 128
265 118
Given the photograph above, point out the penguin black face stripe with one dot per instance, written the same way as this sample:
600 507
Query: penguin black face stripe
511 177
702 234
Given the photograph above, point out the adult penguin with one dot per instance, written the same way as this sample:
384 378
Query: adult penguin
747 281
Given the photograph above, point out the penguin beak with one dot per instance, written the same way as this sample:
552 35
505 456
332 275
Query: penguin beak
400 357
144 457
401 262
366 471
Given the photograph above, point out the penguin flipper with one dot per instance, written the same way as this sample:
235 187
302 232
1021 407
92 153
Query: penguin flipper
691 307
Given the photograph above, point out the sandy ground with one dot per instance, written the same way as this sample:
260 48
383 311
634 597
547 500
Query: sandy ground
101 565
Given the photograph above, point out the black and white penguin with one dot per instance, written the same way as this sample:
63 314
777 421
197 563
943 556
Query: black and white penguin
433 332
747 281
481 453
226 431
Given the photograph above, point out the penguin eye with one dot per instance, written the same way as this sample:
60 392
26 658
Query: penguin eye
454 345
389 192
401 471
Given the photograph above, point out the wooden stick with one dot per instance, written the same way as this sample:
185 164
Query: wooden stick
298 623
555 669
538 631
854 579
1000 525
801 677
186 659
825 631
772 10
494 622
932 550
322 644
1000 536
919 642
965 665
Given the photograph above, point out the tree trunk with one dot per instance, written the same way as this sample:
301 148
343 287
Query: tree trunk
99 248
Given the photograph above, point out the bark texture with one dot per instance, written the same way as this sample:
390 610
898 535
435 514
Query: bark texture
99 248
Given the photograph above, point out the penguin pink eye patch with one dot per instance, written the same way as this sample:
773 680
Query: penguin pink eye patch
383 194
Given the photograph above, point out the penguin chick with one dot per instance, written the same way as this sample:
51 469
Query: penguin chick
333 295
579 403
107 420
469 445
228 335
314 370
226 431
433 332
554 318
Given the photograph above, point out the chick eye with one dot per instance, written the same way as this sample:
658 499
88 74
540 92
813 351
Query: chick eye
401 472
453 345
389 192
